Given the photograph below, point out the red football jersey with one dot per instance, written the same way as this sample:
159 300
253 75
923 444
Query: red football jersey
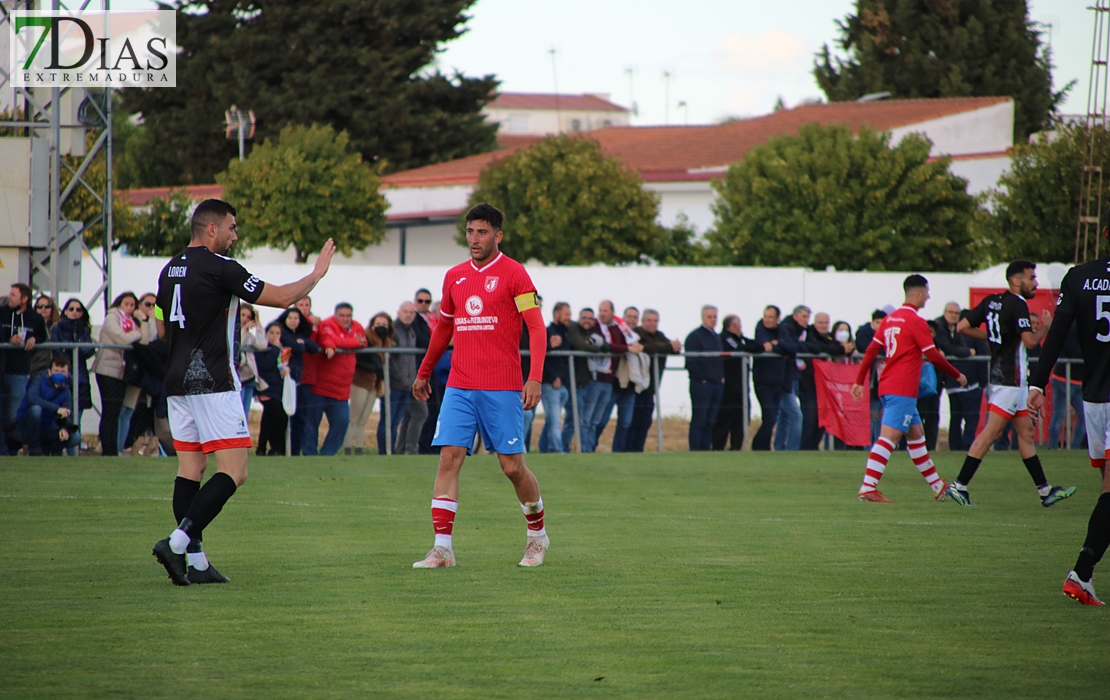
905 337
485 306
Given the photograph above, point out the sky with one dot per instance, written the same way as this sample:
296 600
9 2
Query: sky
725 58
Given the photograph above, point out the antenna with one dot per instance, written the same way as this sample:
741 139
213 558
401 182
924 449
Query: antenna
630 72
667 104
685 112
555 80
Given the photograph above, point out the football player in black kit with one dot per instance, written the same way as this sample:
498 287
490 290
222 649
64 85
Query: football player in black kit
1010 335
198 315
1085 299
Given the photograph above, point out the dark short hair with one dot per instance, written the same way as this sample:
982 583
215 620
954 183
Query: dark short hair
585 309
421 291
1018 267
344 305
210 211
59 359
631 308
23 290
559 305
914 282
878 315
778 311
486 212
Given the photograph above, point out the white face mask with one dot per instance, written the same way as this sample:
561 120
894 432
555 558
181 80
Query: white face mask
842 336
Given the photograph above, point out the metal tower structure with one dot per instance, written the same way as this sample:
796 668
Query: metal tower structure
62 132
1088 226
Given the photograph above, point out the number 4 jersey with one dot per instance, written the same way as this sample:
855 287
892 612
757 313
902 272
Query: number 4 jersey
1007 317
198 303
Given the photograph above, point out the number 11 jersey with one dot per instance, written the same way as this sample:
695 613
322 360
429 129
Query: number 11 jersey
198 304
1007 317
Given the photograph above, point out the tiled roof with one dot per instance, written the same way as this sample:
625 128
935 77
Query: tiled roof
141 197
677 150
590 103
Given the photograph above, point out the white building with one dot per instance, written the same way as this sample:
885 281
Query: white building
542 115
677 162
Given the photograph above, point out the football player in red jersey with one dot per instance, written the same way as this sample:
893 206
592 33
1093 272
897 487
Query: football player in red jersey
485 303
904 335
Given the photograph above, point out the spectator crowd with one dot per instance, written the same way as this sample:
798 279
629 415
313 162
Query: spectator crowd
301 368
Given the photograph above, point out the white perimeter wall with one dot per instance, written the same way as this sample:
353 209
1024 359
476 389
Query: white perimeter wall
678 293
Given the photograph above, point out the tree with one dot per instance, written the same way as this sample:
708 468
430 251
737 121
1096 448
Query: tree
359 66
303 189
164 230
944 48
566 203
825 198
1037 204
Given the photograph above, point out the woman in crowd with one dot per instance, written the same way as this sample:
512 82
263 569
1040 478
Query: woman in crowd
74 327
251 340
41 359
296 335
402 372
136 419
272 371
367 385
121 327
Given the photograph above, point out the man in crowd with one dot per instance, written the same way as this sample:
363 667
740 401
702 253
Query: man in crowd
655 343
707 380
405 337
819 340
334 373
555 389
964 417
633 369
606 369
21 326
306 400
769 373
789 435
731 418
583 336
416 412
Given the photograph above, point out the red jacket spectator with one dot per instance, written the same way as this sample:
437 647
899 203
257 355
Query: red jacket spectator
334 376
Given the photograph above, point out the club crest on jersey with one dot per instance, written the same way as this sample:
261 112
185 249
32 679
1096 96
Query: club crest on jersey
474 304
491 283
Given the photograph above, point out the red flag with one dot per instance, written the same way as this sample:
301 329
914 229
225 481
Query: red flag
837 411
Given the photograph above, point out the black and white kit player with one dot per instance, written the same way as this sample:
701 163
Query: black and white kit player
198 314
1085 300
1010 335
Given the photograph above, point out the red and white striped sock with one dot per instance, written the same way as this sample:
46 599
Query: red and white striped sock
920 456
533 515
443 520
876 464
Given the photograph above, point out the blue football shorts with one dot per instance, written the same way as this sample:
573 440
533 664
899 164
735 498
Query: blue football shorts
498 415
899 412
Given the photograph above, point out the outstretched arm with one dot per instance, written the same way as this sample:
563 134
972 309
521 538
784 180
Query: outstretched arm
285 295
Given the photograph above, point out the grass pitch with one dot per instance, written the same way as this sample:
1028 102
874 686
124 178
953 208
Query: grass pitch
677 575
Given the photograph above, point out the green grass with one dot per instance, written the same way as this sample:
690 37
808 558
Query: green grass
678 575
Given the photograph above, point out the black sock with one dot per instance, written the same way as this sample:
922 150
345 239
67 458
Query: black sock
208 503
184 491
1033 464
1098 537
971 465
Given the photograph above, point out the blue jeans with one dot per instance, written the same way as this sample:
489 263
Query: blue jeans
643 413
42 437
705 400
123 428
789 435
1060 414
625 401
304 435
554 400
529 416
338 412
398 402
13 387
592 400
248 394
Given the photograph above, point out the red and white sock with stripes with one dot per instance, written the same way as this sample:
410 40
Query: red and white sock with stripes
920 456
533 515
443 519
876 464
